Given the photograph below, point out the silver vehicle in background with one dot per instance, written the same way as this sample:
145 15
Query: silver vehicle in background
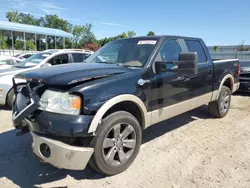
7 62
24 56
38 60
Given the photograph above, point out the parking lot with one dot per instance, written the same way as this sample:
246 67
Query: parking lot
191 150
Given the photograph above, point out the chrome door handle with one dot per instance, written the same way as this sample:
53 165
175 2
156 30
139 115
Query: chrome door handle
141 82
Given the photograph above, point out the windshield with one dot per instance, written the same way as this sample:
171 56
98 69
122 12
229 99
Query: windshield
133 52
33 60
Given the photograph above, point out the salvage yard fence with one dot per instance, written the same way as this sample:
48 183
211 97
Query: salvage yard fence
10 52
241 55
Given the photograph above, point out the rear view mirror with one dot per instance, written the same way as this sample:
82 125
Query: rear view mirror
187 63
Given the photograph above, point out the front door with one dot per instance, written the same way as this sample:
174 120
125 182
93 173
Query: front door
202 83
168 88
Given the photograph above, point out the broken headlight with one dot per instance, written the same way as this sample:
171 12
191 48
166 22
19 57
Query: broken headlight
60 102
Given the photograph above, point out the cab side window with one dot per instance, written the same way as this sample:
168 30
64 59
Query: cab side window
59 59
195 46
77 57
169 53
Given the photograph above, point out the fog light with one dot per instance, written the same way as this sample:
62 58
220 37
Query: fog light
45 150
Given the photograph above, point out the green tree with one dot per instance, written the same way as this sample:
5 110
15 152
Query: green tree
13 16
30 45
150 33
215 48
131 33
88 35
53 21
123 35
3 41
78 31
28 19
19 44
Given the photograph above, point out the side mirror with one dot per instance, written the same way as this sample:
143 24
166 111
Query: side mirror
160 66
46 65
187 63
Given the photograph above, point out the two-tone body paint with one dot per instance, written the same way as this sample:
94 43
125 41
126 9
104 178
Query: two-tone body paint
103 85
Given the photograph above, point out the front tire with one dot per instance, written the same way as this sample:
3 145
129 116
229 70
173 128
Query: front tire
221 107
116 144
10 98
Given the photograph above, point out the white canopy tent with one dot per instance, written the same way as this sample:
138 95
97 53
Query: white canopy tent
23 30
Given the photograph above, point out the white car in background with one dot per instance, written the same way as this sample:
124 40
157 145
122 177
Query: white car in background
24 56
7 62
38 60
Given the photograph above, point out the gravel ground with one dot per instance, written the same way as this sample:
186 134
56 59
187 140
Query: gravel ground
191 150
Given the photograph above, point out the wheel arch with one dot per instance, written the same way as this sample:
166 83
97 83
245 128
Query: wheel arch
228 81
119 100
7 94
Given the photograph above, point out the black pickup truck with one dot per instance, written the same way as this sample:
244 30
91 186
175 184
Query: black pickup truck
95 112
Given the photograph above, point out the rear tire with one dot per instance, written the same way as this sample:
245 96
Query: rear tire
220 107
116 144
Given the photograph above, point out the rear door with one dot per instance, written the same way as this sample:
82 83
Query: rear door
202 83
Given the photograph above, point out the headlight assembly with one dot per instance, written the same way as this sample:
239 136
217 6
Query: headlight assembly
60 102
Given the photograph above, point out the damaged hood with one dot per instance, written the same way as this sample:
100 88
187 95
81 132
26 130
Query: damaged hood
72 73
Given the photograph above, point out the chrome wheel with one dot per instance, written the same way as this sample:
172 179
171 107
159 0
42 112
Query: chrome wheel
224 105
119 144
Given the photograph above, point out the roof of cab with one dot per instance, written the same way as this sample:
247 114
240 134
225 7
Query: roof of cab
157 37
68 50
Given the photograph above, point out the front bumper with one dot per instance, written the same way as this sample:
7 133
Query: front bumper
61 155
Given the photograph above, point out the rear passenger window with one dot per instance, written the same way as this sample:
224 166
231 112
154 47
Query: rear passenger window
77 58
195 46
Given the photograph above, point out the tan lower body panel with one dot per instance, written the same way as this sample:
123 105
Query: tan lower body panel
62 155
177 109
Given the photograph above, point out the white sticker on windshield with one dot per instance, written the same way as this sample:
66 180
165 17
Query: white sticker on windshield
147 42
